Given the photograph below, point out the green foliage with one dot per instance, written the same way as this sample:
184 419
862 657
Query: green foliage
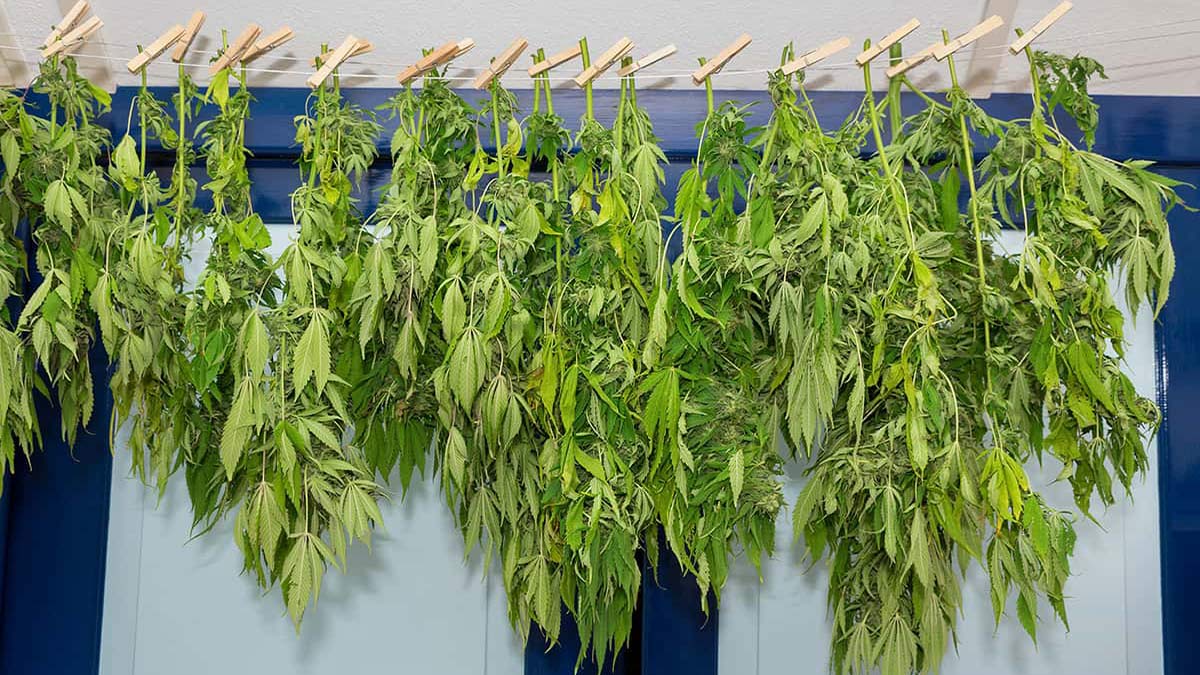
70 206
20 433
141 295
584 393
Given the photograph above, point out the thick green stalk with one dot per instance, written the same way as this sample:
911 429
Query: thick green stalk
708 90
545 80
54 107
969 169
312 169
142 124
587 88
1037 91
537 83
549 95
893 181
180 159
618 126
895 114
496 126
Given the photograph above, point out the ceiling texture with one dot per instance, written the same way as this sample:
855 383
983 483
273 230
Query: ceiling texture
1148 47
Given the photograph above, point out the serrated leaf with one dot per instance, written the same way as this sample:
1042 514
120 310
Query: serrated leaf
737 469
311 358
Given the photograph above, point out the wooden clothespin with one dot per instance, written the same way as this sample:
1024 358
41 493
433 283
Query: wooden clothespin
555 60
363 47
272 41
716 63
1040 27
69 20
912 61
428 62
348 48
647 60
464 45
604 61
819 54
887 41
235 49
80 33
189 34
500 64
155 48
990 24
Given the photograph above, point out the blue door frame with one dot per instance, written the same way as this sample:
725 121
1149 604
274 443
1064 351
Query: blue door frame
54 517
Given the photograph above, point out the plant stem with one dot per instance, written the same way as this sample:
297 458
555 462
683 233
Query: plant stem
893 181
969 169
708 90
895 115
587 88
142 124
932 102
496 127
1033 78
180 159
537 83
316 151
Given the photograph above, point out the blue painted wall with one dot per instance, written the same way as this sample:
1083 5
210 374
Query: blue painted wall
55 547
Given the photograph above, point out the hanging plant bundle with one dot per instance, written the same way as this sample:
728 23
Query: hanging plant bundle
707 352
932 359
234 289
399 340
301 491
596 455
501 255
20 434
69 204
140 297
318 484
586 392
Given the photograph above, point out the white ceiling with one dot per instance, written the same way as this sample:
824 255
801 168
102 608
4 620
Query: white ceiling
1149 47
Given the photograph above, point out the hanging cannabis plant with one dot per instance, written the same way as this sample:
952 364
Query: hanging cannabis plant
20 433
314 483
709 410
399 341
140 297
500 256
939 357
69 205
235 288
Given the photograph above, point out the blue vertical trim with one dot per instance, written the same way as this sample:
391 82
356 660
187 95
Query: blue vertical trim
57 540
1178 357
542 659
4 481
677 636
51 610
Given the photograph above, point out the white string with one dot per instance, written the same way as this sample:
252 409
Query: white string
1081 39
